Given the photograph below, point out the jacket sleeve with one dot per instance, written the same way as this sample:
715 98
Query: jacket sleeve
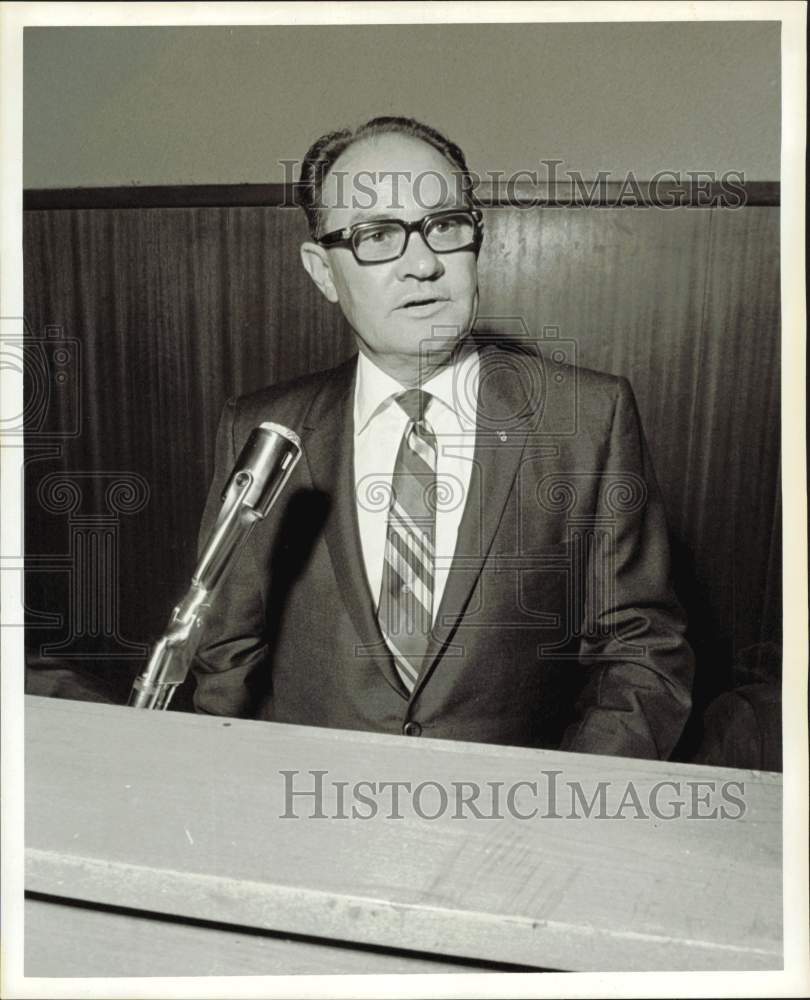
230 666
637 696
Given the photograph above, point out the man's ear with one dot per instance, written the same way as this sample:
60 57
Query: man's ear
317 266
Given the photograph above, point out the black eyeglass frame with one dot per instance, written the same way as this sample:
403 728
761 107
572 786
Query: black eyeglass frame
346 237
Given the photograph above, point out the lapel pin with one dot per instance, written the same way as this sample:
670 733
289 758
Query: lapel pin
502 435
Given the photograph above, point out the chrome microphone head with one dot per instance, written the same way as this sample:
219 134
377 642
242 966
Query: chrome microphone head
264 466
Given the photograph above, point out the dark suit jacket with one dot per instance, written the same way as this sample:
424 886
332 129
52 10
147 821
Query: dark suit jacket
558 626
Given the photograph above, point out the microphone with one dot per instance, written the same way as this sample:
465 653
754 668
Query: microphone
259 475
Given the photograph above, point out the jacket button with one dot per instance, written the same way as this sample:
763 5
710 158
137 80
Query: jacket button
412 729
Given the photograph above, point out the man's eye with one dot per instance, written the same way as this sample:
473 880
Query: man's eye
377 236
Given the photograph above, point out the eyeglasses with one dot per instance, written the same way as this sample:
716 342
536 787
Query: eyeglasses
386 239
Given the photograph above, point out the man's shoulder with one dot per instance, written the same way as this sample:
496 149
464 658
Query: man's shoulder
594 386
292 399
548 354
555 380
549 364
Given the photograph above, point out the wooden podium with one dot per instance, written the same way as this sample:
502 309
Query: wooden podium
167 844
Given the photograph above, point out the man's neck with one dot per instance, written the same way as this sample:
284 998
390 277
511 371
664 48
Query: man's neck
412 372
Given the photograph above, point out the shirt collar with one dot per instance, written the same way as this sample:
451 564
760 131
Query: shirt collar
373 389
451 386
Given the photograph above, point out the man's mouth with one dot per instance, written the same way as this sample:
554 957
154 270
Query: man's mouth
422 303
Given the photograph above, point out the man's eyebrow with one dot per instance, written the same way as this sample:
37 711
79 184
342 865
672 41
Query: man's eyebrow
364 215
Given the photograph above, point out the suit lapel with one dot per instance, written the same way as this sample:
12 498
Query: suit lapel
502 427
328 446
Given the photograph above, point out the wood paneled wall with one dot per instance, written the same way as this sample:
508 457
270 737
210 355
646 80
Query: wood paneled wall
176 308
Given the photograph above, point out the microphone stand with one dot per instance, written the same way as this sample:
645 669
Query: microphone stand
260 473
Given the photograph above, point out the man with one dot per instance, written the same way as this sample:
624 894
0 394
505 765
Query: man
469 548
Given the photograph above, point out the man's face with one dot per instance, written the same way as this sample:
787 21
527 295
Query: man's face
394 307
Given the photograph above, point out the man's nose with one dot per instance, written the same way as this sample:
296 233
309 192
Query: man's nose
419 260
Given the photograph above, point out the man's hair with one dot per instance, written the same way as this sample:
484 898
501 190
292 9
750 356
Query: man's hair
323 153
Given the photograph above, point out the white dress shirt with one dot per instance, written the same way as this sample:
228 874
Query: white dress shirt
379 424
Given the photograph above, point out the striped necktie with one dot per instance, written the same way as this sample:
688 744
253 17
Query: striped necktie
406 597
